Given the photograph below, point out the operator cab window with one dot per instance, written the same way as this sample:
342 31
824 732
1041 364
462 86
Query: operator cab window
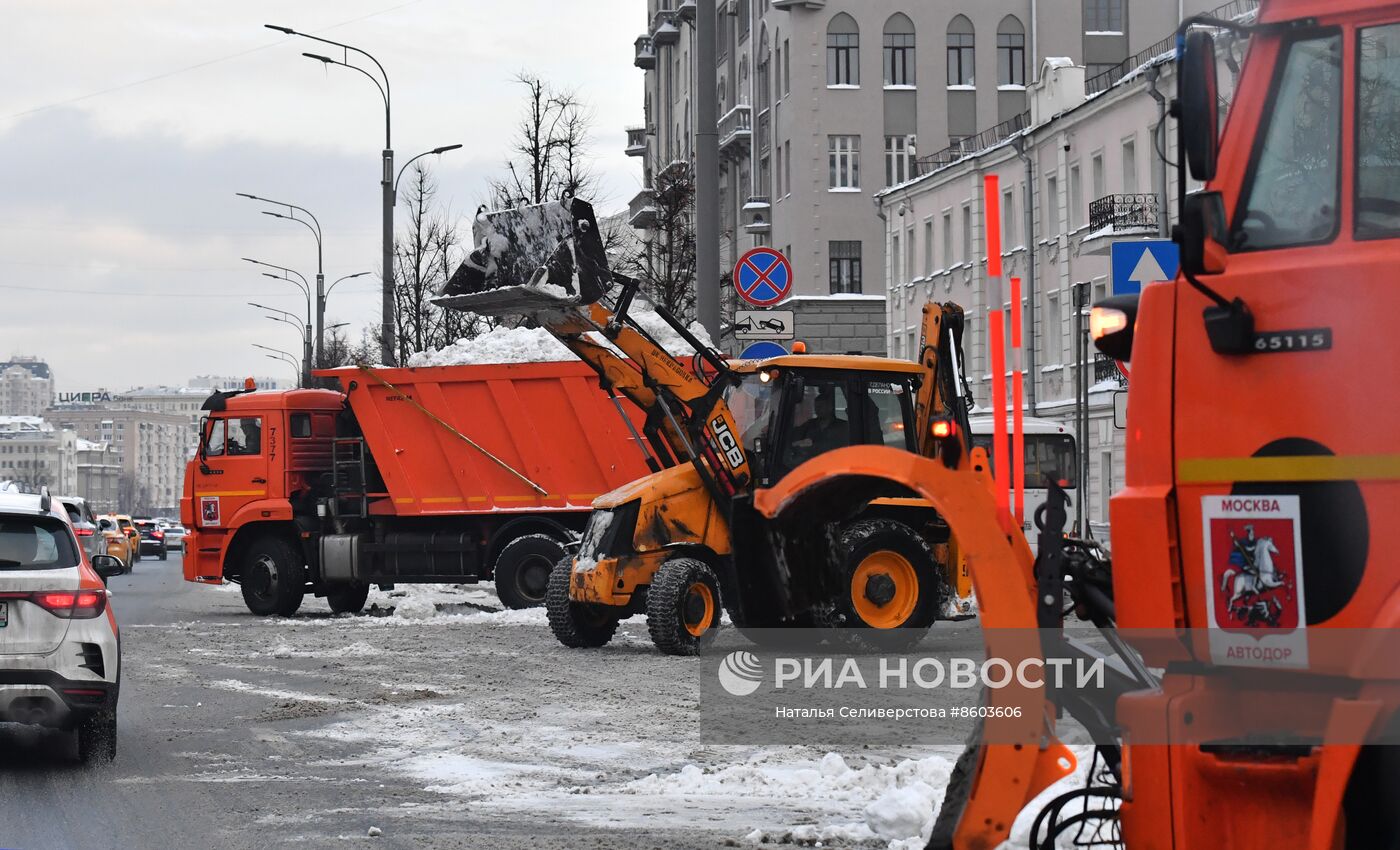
235 437
1377 211
819 421
887 414
752 404
1292 194
301 425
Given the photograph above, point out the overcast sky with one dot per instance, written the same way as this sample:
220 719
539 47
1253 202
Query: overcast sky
119 229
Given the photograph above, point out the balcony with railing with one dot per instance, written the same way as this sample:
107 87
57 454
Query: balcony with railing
756 215
686 10
799 4
641 210
736 131
664 31
636 141
1113 217
1106 369
646 53
972 144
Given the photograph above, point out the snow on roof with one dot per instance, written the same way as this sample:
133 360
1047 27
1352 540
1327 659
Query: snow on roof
1058 62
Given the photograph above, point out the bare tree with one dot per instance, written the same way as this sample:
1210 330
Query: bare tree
665 259
549 155
425 255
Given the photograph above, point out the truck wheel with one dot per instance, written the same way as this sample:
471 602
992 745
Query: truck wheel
683 606
893 584
97 738
272 577
957 792
523 568
347 598
576 624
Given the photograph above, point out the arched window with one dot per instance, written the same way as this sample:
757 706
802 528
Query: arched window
843 51
961 38
899 51
1011 52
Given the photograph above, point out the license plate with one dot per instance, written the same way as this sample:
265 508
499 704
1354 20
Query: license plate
4 614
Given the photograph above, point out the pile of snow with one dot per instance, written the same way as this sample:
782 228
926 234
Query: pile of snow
500 345
537 345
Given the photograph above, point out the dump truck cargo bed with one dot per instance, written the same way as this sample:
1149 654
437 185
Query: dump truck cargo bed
481 439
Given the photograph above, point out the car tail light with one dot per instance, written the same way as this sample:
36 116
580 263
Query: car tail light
83 532
158 534
71 604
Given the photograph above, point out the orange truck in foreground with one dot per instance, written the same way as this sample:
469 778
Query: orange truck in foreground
437 474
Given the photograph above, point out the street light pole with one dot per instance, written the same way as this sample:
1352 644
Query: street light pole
706 170
387 341
305 287
315 227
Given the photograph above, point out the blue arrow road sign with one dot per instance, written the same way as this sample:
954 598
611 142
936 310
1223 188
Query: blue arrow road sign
1147 261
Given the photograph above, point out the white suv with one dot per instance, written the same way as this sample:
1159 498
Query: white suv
60 657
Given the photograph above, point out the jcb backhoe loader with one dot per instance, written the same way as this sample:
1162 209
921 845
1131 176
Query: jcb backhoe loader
1254 597
685 541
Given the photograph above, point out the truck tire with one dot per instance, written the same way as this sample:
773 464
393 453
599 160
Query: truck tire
523 568
347 598
894 584
97 737
272 577
577 625
683 605
957 792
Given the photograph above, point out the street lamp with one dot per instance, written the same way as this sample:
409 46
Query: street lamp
296 368
305 287
314 226
387 344
434 152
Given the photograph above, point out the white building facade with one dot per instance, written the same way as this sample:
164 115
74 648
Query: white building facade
1084 174
26 387
35 454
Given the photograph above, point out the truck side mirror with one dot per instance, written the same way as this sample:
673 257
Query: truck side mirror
1199 105
1202 233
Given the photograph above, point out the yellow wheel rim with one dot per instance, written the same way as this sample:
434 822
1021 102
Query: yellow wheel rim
885 590
698 608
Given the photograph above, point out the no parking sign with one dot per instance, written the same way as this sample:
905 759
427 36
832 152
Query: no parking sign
763 277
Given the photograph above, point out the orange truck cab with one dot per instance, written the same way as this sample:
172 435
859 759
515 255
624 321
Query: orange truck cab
441 474
1258 522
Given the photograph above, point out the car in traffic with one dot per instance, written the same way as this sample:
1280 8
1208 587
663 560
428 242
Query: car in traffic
129 529
118 545
175 536
84 522
60 657
152 538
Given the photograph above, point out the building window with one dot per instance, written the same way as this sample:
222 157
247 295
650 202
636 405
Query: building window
842 52
909 254
1008 219
1130 181
843 159
928 248
948 240
845 267
1097 173
899 51
787 68
1011 53
787 167
1052 207
778 191
967 234
898 160
896 262
1104 16
960 52
1076 198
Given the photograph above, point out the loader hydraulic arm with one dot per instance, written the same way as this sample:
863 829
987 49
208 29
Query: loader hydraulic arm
687 418
943 393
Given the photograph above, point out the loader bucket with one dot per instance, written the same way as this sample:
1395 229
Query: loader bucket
531 259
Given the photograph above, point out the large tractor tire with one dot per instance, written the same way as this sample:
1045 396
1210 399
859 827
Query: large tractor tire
894 584
347 598
523 569
683 605
957 793
273 577
577 625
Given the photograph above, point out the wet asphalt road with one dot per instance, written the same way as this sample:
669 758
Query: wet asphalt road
201 765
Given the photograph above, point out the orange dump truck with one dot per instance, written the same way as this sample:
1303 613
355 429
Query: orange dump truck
436 474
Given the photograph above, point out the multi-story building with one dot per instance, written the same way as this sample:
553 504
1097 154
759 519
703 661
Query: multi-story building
1082 173
186 402
26 387
99 475
35 454
149 447
823 104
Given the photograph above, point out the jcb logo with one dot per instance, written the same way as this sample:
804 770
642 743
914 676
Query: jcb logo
733 455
